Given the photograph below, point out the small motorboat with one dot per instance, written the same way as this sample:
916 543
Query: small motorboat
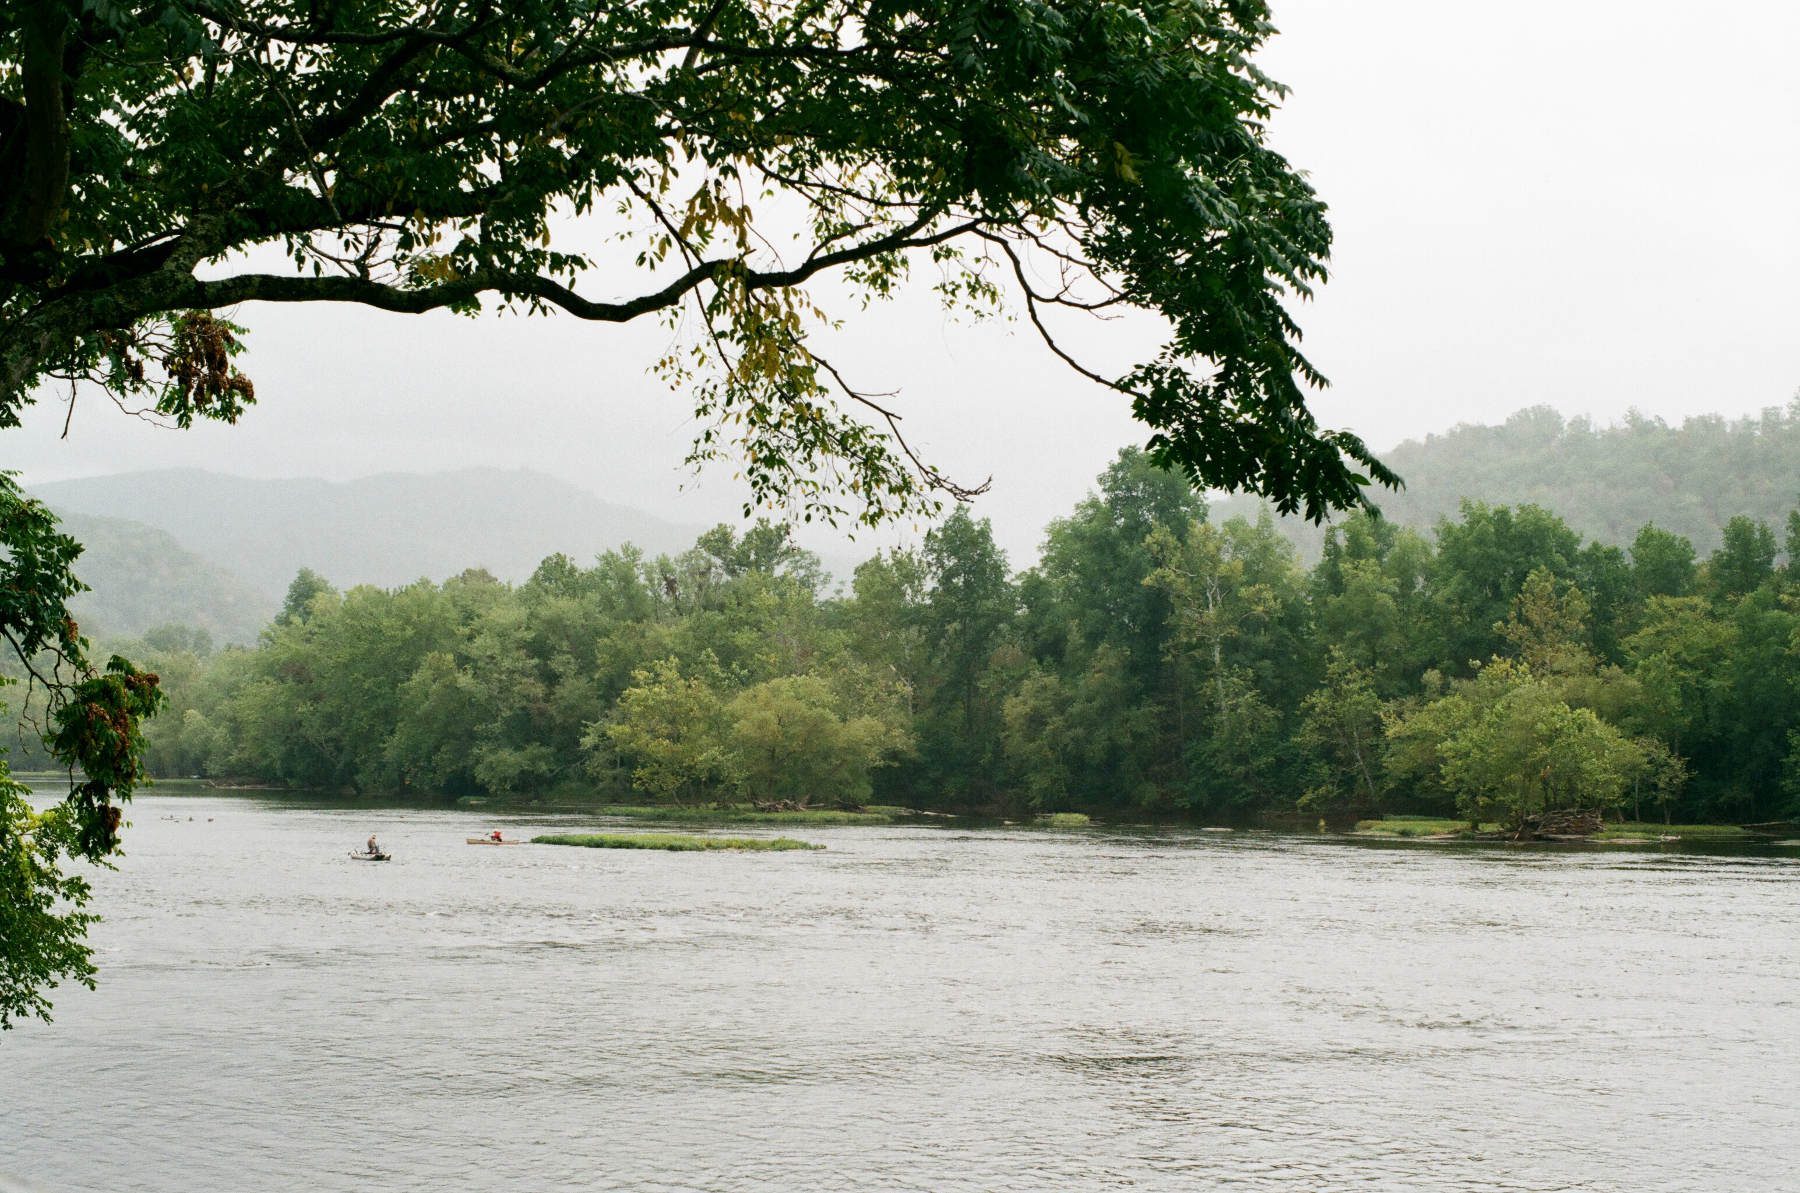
377 856
491 841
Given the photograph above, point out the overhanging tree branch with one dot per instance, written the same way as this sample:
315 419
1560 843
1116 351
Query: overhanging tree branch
281 288
423 146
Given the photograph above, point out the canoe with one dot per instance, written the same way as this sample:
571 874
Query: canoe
491 841
371 857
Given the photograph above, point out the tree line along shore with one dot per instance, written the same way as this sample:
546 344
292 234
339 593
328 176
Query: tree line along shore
1153 663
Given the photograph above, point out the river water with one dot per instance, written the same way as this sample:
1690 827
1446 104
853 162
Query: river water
925 1008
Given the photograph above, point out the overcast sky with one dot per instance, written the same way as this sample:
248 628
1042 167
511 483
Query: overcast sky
1588 205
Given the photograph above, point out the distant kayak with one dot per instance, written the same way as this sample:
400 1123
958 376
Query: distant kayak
491 841
371 857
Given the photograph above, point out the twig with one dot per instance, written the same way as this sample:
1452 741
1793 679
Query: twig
933 478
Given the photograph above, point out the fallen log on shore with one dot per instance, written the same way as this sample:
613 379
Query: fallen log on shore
1563 824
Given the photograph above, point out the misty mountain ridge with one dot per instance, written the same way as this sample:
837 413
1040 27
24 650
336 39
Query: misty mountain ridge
1605 481
141 577
385 530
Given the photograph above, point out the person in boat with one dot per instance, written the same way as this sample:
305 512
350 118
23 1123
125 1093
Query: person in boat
496 835
373 848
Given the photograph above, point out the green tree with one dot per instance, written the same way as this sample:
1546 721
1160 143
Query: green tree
1791 543
971 603
1758 705
1090 617
175 742
1088 741
1341 728
792 741
1416 727
320 700
1233 757
1482 562
1096 560
1370 599
1662 775
1745 561
1531 753
1506 744
442 714
1274 646
305 587
1232 593
767 547
1549 632
1042 747
193 641
1605 577
1677 656
675 729
1662 564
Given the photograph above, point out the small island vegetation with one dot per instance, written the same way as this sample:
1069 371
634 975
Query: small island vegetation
1421 826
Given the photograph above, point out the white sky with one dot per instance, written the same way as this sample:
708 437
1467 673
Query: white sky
1589 205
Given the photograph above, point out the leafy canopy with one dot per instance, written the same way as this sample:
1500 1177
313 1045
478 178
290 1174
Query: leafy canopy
1081 155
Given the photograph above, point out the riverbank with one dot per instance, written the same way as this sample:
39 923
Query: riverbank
52 785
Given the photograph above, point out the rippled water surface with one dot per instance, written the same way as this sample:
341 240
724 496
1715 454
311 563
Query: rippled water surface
915 1007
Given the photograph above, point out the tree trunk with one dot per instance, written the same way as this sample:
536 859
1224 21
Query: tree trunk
1218 650
35 205
1368 779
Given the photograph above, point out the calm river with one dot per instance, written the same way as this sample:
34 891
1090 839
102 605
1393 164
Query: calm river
915 1008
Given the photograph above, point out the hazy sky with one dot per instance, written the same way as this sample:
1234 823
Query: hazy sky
1587 205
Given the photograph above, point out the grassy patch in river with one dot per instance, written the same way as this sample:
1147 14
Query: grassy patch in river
676 842
1417 826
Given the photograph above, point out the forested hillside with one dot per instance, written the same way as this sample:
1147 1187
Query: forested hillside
141 578
1605 481
384 530
1154 662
